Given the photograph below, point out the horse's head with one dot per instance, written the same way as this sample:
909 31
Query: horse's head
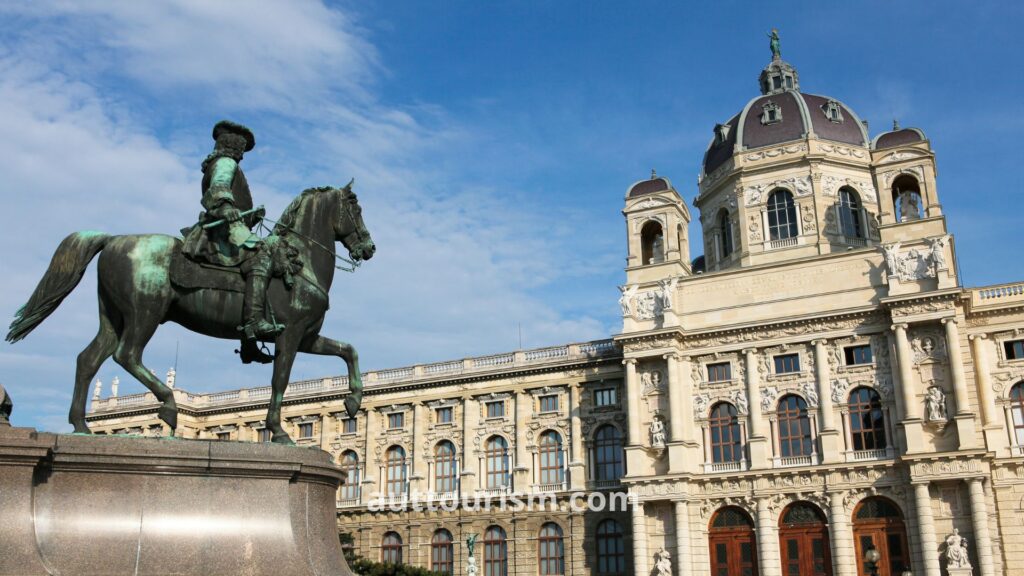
349 228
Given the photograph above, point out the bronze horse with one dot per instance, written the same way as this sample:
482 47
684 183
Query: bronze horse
137 293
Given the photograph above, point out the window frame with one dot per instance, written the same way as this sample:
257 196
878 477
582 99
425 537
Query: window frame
781 360
445 464
867 405
548 398
442 552
347 423
551 457
721 426
349 463
1016 397
609 458
610 548
449 411
714 367
497 464
391 548
851 221
551 550
794 427
783 220
1010 347
303 427
850 355
611 391
394 417
396 470
490 414
495 551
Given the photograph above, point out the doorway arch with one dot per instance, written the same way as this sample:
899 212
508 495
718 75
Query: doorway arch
732 543
803 541
878 521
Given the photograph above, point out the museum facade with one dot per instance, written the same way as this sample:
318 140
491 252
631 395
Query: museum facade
817 390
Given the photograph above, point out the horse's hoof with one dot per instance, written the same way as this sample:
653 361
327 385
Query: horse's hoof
352 405
282 438
81 428
169 414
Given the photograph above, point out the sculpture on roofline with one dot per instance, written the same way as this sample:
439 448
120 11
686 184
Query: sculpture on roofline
221 281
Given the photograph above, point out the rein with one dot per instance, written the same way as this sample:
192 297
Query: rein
352 264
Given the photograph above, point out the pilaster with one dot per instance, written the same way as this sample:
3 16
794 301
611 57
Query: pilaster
829 436
995 438
640 564
979 519
911 423
683 558
844 558
926 529
758 441
965 425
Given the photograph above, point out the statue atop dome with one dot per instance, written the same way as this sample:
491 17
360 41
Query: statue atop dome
773 43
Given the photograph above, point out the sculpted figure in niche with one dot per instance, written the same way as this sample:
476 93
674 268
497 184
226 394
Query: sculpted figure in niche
664 563
935 404
658 432
892 258
956 551
937 256
626 300
668 288
740 399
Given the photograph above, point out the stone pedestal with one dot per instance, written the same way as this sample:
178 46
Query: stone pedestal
87 505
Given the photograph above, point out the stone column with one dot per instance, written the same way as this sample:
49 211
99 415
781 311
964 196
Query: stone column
632 402
758 442
577 480
830 451
676 393
470 413
769 563
640 540
965 428
908 391
926 529
683 556
416 466
995 438
844 555
979 518
524 465
371 475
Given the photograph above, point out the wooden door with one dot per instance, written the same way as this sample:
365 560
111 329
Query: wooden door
879 522
733 547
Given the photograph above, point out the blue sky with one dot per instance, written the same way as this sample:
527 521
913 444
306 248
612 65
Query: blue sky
491 143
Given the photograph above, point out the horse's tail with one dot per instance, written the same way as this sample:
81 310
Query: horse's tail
65 272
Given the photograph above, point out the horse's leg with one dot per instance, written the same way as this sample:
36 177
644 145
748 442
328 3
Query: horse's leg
328 347
89 362
285 348
136 334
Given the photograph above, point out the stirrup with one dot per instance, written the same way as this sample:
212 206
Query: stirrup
260 328
251 351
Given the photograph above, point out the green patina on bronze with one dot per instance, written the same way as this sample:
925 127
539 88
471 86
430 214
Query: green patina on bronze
139 286
773 44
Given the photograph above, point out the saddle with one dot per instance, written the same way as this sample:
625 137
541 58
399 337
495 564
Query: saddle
191 274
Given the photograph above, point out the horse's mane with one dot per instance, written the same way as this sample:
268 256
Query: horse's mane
291 212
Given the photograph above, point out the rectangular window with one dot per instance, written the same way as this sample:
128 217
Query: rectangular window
444 415
348 426
858 355
306 430
496 409
223 435
265 435
787 363
605 397
549 403
776 82
719 372
1014 349
396 420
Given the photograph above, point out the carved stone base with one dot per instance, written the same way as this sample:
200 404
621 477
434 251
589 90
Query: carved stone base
760 453
830 449
960 571
72 504
965 431
913 437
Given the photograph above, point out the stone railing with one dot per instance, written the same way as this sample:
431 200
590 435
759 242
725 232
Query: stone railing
876 454
720 467
790 461
998 295
374 378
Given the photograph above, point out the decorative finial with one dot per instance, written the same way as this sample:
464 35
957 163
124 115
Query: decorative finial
653 174
895 124
773 43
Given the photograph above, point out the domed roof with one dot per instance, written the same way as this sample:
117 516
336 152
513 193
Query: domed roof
653 185
898 137
783 114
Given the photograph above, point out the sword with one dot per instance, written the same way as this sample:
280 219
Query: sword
216 223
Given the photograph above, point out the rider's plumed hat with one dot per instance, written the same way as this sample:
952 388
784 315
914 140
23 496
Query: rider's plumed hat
229 127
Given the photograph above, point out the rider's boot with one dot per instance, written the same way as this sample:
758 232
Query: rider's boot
256 326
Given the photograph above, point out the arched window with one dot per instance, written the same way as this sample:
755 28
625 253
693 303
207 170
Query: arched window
867 424
781 215
652 243
607 453
495 552
906 196
725 232
849 213
444 467
1017 411
803 540
733 546
497 462
878 522
551 458
724 427
611 551
442 552
794 427
350 466
396 471
391 548
550 550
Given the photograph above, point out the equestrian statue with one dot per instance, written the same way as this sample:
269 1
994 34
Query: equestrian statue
221 280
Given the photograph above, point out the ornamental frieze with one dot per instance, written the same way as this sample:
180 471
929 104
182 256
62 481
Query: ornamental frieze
775 152
645 345
756 194
809 328
921 307
841 150
944 469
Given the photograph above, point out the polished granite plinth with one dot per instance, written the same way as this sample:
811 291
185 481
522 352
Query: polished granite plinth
112 505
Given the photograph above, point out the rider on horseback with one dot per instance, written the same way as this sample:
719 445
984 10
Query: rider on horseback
231 243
